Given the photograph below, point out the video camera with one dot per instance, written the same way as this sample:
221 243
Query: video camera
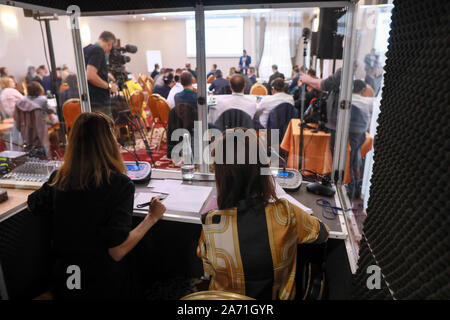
117 61
317 111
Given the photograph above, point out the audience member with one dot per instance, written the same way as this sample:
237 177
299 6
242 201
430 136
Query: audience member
169 83
275 74
8 96
187 95
47 81
175 89
36 94
236 100
155 71
220 85
270 102
188 68
248 201
31 74
72 92
3 72
159 79
213 71
252 75
231 72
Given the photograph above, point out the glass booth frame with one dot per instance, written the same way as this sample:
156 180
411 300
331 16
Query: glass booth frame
340 149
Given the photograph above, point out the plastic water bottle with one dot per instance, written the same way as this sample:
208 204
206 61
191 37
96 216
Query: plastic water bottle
187 169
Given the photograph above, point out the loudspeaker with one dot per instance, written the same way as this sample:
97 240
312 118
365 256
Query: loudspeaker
329 43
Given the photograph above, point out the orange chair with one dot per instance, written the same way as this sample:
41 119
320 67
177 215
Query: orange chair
369 92
258 90
137 107
194 81
160 110
71 109
211 78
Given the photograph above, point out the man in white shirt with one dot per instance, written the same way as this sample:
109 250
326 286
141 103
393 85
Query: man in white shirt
268 103
175 89
235 100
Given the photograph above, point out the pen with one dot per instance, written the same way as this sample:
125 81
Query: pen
146 204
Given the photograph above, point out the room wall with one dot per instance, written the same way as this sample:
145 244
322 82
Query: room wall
169 37
17 54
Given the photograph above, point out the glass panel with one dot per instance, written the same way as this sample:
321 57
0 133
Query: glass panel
26 84
372 36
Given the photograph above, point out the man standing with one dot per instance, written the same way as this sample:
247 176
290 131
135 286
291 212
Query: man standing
244 62
97 72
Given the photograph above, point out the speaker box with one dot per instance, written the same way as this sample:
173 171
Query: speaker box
329 43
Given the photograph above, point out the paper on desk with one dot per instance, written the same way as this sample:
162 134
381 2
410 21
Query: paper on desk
143 197
164 185
187 198
281 194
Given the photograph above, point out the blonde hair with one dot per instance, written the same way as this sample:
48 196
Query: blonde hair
92 154
5 82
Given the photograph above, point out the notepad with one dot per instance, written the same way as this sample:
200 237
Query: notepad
164 185
143 197
187 198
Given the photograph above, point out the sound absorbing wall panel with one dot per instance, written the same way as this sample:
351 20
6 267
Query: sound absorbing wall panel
407 230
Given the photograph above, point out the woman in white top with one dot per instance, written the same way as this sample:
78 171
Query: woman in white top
9 96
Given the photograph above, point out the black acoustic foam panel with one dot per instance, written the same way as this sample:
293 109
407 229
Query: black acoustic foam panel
407 226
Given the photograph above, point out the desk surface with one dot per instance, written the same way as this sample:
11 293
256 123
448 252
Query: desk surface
17 201
336 226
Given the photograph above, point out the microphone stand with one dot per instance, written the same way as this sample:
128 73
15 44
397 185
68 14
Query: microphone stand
302 109
132 153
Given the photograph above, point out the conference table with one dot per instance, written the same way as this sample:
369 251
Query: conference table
317 155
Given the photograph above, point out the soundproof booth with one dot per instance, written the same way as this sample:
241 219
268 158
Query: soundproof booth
224 150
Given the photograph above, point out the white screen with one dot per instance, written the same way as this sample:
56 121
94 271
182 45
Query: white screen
223 37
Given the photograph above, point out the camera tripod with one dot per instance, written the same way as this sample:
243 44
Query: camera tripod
133 122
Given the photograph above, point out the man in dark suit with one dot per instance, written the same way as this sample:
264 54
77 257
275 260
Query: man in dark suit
188 68
252 75
155 71
275 74
244 62
220 85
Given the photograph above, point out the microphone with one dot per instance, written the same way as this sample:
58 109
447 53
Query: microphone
132 153
306 33
281 158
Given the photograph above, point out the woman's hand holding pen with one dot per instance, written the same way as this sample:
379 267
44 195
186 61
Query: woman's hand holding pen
156 210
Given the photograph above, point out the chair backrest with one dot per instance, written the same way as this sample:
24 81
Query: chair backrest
211 78
182 116
233 118
258 90
194 81
71 109
369 92
163 110
280 117
153 105
215 295
136 102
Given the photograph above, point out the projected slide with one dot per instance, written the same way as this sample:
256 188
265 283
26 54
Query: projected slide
223 37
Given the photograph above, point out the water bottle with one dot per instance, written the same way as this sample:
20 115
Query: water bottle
187 169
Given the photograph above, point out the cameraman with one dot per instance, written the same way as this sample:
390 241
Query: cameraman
95 56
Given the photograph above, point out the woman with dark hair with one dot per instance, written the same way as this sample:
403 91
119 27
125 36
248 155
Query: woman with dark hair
90 203
249 244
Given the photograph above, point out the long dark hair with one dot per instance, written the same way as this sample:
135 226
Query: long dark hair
92 153
240 177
